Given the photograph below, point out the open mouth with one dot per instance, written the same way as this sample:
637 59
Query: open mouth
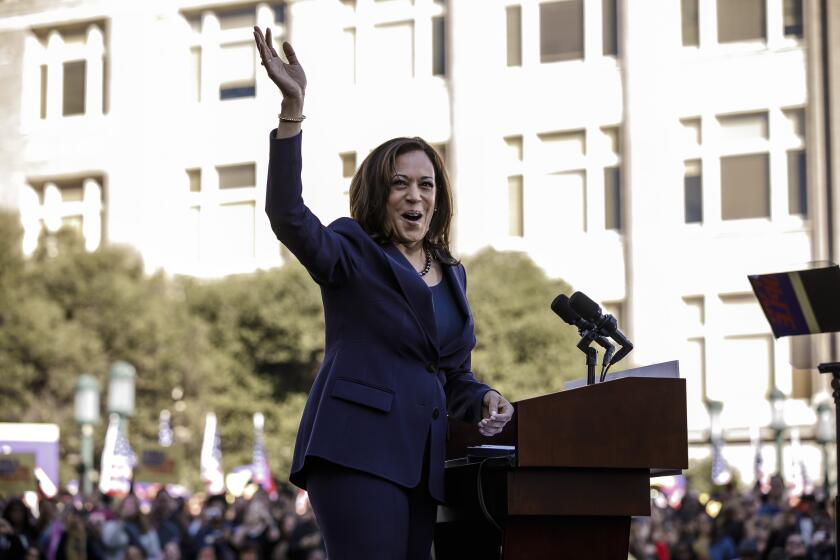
412 216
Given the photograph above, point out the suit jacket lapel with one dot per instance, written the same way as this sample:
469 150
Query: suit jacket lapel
416 292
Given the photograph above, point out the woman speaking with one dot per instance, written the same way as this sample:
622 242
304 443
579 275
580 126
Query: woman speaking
371 444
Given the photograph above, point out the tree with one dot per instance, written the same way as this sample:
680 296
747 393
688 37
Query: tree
523 349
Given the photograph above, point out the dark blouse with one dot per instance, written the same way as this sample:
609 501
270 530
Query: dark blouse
448 316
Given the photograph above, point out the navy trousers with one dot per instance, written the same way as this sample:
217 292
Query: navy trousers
364 516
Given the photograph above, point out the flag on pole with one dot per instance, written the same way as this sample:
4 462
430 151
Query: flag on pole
758 459
262 472
165 429
211 457
117 464
720 472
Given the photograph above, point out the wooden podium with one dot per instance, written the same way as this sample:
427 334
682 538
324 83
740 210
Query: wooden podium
583 462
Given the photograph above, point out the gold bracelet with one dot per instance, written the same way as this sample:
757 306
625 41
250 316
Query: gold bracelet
291 119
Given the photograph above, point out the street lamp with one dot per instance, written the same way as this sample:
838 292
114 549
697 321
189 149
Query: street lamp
825 435
715 430
777 422
720 474
86 412
121 378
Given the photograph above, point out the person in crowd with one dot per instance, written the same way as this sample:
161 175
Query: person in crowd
258 530
17 530
127 530
163 517
399 333
212 531
744 528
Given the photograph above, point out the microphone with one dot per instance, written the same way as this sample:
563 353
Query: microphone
564 310
604 323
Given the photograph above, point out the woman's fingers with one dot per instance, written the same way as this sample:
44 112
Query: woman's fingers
260 50
290 53
270 42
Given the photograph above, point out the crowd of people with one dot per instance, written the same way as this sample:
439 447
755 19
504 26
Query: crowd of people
165 527
730 525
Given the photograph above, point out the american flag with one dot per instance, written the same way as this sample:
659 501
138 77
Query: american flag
262 472
164 429
211 457
720 472
117 465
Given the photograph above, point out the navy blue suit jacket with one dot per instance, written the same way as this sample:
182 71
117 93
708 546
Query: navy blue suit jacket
385 383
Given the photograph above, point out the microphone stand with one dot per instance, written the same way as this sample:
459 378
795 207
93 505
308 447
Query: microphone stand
591 354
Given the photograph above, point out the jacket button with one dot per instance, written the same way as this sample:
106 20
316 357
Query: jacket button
431 368
435 413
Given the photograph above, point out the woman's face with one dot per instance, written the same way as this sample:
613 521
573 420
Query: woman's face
411 202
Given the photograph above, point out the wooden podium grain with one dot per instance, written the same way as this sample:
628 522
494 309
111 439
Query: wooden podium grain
584 458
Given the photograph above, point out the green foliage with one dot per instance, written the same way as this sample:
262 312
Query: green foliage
233 346
523 349
699 475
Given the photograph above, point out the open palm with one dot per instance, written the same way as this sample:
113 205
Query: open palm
289 77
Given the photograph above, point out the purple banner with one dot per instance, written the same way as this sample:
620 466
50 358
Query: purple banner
779 303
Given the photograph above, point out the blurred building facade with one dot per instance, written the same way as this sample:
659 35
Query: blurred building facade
650 153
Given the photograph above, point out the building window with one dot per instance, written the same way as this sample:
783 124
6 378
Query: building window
514 148
441 151
237 176
50 205
195 73
236 70
561 30
221 216
609 27
438 46
348 164
232 52
690 24
194 176
745 186
237 18
513 17
797 183
71 62
43 104
695 313
693 192
741 20
73 93
793 17
236 220
741 127
563 202
516 221
561 147
613 202
394 43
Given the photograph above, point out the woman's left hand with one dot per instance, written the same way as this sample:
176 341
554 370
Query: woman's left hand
497 412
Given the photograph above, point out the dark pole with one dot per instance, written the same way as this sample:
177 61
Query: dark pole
834 369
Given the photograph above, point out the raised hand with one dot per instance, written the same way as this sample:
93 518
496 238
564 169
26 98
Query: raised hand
289 77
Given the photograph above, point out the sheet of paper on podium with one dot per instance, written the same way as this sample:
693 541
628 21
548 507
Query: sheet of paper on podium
666 370
800 302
